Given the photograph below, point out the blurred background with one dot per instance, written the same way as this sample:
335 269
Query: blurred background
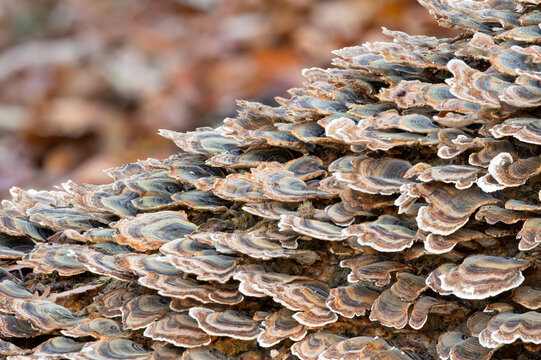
85 84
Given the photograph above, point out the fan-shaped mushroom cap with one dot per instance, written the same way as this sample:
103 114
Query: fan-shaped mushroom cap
238 187
528 296
117 349
480 276
279 326
493 214
428 305
363 347
250 158
12 290
449 208
207 265
375 176
389 310
527 130
15 326
7 348
387 234
463 176
178 329
54 348
351 300
440 244
254 281
150 231
203 353
99 263
201 200
44 315
140 311
98 328
229 323
371 268
306 167
408 286
47 258
478 322
530 234
165 351
507 327
204 141
314 344
504 172
312 228
110 303
455 345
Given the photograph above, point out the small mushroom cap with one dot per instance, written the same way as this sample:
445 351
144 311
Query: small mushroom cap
351 300
528 296
204 141
387 234
207 265
507 327
449 208
150 231
99 328
178 329
455 345
375 176
529 235
110 303
140 311
44 315
14 326
440 244
408 286
313 228
201 200
12 290
47 258
279 326
478 322
390 310
481 276
118 349
427 305
314 344
57 347
372 268
203 353
229 323
493 214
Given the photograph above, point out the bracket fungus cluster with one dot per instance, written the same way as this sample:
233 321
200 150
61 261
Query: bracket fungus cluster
389 209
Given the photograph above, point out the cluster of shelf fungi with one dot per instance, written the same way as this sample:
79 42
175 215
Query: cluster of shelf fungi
389 209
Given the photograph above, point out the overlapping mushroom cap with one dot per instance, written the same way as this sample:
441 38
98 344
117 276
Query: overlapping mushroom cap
389 209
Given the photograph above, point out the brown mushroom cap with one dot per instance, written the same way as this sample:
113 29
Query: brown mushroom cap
389 310
314 344
279 326
229 323
98 328
120 349
371 268
351 300
528 296
428 305
449 208
110 303
529 234
507 327
375 176
408 286
480 276
312 228
140 311
150 231
440 244
178 329
455 345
